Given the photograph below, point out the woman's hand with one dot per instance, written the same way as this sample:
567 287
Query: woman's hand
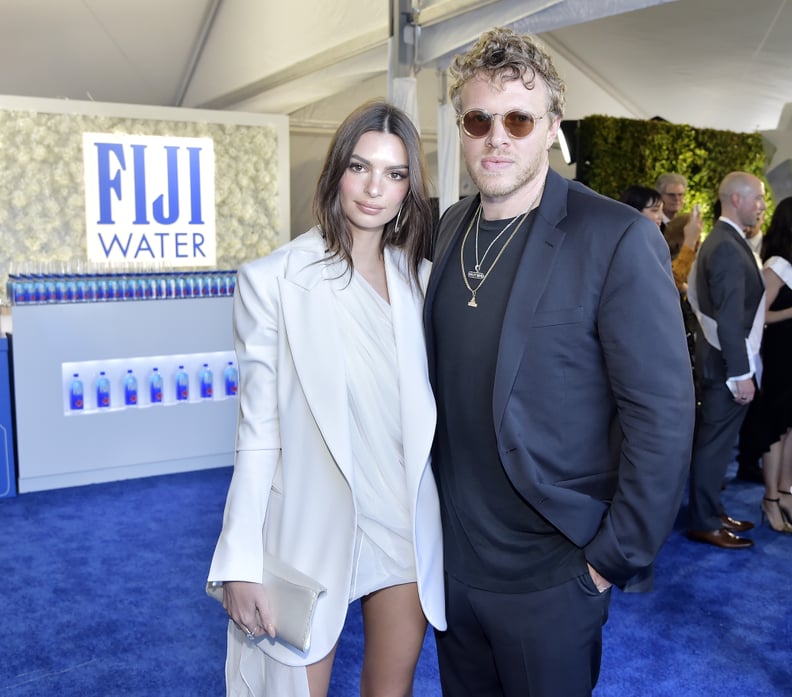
692 230
248 606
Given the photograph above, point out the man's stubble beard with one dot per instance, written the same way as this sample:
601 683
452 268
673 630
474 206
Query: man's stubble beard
498 186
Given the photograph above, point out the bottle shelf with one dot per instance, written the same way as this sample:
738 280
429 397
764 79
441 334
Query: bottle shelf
160 381
48 289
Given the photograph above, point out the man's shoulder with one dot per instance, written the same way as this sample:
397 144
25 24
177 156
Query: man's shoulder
720 237
581 197
456 211
719 230
583 211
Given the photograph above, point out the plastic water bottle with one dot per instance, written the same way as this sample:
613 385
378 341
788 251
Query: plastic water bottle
102 391
182 385
39 290
17 292
231 376
155 386
205 380
130 389
76 393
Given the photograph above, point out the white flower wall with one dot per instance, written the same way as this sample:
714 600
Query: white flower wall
42 199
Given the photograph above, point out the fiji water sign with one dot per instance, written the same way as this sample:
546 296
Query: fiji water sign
149 199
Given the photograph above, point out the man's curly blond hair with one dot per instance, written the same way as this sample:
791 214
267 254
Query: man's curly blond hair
501 54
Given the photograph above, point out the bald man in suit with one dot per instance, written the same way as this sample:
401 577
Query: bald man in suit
726 291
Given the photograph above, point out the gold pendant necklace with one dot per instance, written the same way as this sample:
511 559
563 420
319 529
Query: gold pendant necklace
477 274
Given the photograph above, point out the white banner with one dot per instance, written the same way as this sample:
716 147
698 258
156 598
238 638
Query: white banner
149 200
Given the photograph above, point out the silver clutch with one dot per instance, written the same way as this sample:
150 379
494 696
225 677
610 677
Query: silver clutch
292 597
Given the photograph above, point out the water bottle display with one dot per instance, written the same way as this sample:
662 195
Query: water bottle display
182 385
102 391
104 284
140 382
130 389
155 386
76 393
205 381
231 376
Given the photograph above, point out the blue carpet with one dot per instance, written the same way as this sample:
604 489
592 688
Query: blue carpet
103 596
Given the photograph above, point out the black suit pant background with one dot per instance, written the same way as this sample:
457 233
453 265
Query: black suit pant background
717 432
545 643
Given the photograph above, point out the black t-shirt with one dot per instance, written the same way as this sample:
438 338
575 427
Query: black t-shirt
494 539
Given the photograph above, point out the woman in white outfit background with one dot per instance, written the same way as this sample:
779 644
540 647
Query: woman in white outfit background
336 420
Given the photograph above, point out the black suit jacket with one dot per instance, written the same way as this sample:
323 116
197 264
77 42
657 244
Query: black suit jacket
729 286
593 400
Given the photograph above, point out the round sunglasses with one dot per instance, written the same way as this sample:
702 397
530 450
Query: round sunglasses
477 123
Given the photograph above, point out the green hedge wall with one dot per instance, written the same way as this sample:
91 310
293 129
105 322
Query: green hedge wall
614 153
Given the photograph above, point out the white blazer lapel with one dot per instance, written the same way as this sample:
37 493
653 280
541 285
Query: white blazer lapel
417 402
317 352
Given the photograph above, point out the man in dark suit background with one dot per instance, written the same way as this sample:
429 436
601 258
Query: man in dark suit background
726 291
564 392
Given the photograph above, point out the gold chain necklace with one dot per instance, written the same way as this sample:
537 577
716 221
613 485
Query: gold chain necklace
482 277
476 272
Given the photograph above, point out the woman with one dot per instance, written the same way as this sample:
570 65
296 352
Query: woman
646 200
336 423
683 236
771 417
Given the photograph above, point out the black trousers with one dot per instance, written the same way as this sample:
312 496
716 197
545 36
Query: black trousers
545 643
717 432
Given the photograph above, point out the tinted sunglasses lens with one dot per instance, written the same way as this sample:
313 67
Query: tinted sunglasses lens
477 123
519 123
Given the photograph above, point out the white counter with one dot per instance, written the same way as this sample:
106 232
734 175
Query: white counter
58 447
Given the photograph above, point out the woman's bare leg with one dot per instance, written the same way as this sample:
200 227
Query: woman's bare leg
784 488
771 468
394 627
319 675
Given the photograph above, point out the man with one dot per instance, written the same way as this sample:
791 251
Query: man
726 291
672 188
564 392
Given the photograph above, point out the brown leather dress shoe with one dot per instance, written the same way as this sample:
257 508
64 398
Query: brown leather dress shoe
735 525
723 538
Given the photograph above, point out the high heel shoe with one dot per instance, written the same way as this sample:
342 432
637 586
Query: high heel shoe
774 515
786 512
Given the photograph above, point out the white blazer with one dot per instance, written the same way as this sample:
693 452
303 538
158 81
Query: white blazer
293 475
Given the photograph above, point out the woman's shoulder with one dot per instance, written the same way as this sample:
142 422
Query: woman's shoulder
781 268
401 261
424 269
309 245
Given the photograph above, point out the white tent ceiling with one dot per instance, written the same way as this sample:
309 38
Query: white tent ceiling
724 64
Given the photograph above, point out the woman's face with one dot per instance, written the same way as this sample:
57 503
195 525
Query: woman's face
654 211
375 182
